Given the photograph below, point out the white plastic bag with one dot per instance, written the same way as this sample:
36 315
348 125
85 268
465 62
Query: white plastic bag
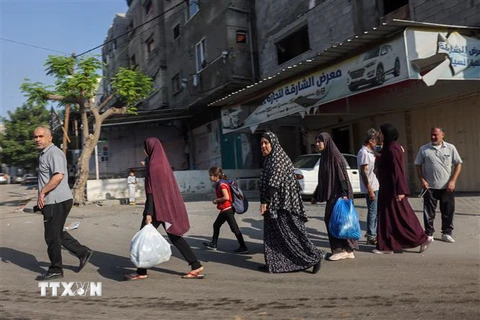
149 248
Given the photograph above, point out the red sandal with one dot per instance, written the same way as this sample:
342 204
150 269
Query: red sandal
194 274
135 276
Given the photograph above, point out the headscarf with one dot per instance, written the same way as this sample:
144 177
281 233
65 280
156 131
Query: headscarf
390 133
332 171
278 173
161 183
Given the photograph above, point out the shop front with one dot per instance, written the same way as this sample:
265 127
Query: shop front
421 76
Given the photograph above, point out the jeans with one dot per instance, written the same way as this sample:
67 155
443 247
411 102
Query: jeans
372 216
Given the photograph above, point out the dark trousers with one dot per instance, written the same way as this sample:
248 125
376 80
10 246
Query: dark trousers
54 217
337 245
180 243
447 209
229 217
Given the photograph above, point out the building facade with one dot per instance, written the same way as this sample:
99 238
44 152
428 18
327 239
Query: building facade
344 66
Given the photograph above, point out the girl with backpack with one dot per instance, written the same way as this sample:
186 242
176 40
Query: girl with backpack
227 214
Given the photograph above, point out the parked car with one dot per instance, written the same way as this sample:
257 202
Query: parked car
17 179
306 171
374 66
29 179
4 178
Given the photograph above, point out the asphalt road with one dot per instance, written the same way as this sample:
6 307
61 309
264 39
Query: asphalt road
441 283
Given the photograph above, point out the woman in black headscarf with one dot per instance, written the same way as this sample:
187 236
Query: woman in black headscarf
398 226
287 247
333 183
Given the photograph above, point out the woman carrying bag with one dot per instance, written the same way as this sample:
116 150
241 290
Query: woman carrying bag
165 206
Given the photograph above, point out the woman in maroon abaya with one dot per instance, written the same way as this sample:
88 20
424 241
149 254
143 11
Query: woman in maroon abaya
165 206
398 226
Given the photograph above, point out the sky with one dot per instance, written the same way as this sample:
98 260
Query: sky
68 26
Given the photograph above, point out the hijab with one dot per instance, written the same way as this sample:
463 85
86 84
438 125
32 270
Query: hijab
161 183
390 133
332 171
278 173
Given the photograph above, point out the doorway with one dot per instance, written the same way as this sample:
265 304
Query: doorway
341 137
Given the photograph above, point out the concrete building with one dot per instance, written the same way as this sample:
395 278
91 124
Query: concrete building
344 66
196 52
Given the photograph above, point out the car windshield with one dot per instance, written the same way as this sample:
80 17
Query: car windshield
371 54
306 162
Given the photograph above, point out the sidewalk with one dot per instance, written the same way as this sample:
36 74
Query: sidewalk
441 283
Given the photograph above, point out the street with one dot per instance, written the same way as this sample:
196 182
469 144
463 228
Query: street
441 283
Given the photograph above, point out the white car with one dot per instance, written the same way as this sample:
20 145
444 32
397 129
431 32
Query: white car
373 68
306 171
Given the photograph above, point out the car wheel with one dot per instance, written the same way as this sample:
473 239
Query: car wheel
379 75
396 69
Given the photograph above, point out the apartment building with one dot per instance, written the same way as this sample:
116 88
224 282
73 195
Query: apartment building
196 51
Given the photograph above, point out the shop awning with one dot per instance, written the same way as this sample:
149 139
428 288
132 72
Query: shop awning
341 51
157 115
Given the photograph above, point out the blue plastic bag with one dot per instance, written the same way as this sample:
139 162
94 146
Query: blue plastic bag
344 222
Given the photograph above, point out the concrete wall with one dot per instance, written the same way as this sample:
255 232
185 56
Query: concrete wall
455 12
192 184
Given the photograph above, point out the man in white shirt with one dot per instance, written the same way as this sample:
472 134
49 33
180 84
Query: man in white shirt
369 183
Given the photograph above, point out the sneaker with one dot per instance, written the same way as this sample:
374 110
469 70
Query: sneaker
372 241
376 251
425 245
241 250
210 245
84 259
350 255
431 238
339 256
50 276
447 238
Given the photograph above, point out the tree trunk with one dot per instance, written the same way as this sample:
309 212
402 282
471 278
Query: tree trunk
91 140
83 169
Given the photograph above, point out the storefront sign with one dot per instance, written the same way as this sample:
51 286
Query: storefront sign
381 66
431 56
442 56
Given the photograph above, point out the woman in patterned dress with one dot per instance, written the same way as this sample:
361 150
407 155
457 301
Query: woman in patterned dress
287 247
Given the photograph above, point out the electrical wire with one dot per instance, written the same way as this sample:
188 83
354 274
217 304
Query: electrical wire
33 46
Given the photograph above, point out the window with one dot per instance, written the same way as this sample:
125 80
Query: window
192 8
176 31
176 86
150 45
389 6
200 54
102 151
130 28
133 61
148 7
293 45
241 37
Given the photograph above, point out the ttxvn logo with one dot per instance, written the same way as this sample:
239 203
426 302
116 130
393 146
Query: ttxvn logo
71 289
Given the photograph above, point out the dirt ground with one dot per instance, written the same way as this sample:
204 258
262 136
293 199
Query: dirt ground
441 283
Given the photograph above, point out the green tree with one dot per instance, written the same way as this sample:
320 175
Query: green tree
18 148
76 85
